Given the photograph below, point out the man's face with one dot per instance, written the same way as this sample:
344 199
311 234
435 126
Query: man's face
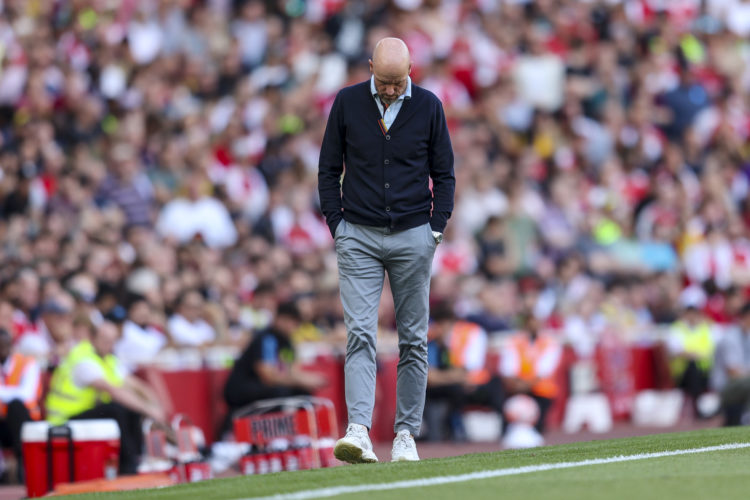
105 339
192 306
692 315
59 325
139 313
287 325
390 82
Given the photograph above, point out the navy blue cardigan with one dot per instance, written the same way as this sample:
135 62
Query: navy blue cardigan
386 174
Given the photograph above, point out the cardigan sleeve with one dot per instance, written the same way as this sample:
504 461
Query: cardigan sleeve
331 166
441 170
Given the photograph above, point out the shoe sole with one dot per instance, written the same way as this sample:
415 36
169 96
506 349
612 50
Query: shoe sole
351 454
404 459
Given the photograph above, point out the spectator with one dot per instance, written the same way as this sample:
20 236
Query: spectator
127 187
684 101
53 345
529 364
267 368
197 216
26 297
140 341
186 327
20 390
573 123
539 74
730 374
257 313
91 383
691 346
457 353
498 304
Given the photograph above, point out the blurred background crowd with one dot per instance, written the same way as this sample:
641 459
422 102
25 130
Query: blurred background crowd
158 166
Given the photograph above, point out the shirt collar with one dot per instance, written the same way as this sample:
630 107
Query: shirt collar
405 95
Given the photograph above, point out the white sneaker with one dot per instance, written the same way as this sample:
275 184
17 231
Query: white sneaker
404 448
355 447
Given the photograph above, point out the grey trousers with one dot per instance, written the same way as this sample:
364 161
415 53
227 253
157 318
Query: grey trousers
364 255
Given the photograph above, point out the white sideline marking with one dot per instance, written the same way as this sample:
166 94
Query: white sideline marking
432 481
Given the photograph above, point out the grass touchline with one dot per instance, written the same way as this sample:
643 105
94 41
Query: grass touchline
434 481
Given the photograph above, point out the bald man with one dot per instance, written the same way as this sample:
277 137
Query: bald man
388 137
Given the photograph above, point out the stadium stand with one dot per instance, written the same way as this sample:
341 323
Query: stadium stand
158 162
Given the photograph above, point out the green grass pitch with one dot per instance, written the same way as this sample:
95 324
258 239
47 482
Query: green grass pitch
712 475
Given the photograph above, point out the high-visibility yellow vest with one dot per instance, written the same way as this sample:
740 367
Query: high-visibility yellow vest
65 399
697 341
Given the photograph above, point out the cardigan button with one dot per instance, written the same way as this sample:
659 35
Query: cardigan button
387 209
387 162
387 137
387 185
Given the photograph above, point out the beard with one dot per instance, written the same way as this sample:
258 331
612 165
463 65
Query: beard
387 100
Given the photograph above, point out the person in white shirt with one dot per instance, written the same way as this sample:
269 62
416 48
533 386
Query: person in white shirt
139 342
730 374
197 216
186 327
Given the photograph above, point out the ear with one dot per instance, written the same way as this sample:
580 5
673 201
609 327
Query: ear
370 61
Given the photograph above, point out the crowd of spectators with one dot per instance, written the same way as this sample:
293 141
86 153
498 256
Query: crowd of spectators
158 163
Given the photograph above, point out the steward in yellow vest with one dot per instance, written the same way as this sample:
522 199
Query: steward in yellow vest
91 383
66 399
691 345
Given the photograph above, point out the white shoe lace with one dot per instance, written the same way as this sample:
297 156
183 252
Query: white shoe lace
360 434
404 445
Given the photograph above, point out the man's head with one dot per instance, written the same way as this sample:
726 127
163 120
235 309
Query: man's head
443 319
27 289
57 315
529 323
6 344
139 311
692 302
390 65
190 305
288 318
83 327
105 336
692 315
125 161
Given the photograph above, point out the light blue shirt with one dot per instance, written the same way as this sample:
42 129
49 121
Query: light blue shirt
390 114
